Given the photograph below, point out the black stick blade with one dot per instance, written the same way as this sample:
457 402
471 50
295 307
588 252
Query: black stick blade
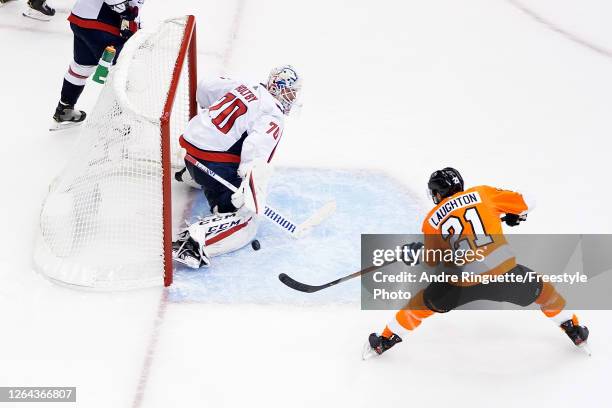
302 287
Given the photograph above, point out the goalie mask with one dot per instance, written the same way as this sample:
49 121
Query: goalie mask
284 84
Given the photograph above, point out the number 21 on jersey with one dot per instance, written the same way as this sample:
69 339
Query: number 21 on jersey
453 227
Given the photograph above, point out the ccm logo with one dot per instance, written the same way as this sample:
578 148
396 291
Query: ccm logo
223 227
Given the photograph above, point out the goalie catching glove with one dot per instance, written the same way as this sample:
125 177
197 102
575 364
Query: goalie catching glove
251 195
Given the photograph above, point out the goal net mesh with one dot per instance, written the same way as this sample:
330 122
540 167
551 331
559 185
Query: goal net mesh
102 223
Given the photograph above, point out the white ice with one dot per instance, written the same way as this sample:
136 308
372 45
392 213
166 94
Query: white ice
247 276
402 87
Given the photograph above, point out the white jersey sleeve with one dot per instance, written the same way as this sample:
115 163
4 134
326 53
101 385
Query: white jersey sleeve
211 90
262 140
133 3
113 3
119 6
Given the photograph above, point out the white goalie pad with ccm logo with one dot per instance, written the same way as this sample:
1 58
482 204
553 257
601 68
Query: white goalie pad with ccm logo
224 232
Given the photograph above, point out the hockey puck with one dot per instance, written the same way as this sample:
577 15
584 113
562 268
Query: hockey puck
256 245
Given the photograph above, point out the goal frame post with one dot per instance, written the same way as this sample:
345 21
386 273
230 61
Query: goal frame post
187 52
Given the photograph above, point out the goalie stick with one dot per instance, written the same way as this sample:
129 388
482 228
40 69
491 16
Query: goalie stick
273 215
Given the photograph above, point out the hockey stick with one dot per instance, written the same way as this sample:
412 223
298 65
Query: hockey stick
302 287
284 223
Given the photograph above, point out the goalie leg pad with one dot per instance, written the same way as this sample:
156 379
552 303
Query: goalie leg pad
224 232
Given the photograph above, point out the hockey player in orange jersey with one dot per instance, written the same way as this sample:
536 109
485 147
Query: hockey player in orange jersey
472 218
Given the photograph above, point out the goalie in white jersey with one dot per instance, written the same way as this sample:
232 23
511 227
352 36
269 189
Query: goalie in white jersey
235 135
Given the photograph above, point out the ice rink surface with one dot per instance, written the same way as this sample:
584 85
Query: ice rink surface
247 276
515 94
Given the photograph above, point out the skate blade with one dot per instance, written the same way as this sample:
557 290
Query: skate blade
585 347
63 125
368 352
36 15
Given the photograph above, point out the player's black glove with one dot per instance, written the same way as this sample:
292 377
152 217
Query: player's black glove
412 249
512 220
128 21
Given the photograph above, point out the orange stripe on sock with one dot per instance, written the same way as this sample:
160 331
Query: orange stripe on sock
417 304
555 308
550 301
548 291
422 314
551 313
407 320
410 317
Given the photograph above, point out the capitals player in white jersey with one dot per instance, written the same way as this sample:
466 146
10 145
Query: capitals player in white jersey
235 135
95 24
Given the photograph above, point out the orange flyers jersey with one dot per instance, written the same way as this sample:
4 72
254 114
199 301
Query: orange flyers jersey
471 220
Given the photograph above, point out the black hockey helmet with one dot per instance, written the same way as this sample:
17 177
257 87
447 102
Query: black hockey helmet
445 182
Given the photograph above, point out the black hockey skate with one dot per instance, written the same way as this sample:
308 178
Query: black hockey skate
577 334
376 345
38 10
187 251
178 176
66 116
183 176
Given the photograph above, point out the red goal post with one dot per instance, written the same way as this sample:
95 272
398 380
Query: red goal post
188 51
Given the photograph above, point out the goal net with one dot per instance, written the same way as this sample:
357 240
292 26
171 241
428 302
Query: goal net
106 222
